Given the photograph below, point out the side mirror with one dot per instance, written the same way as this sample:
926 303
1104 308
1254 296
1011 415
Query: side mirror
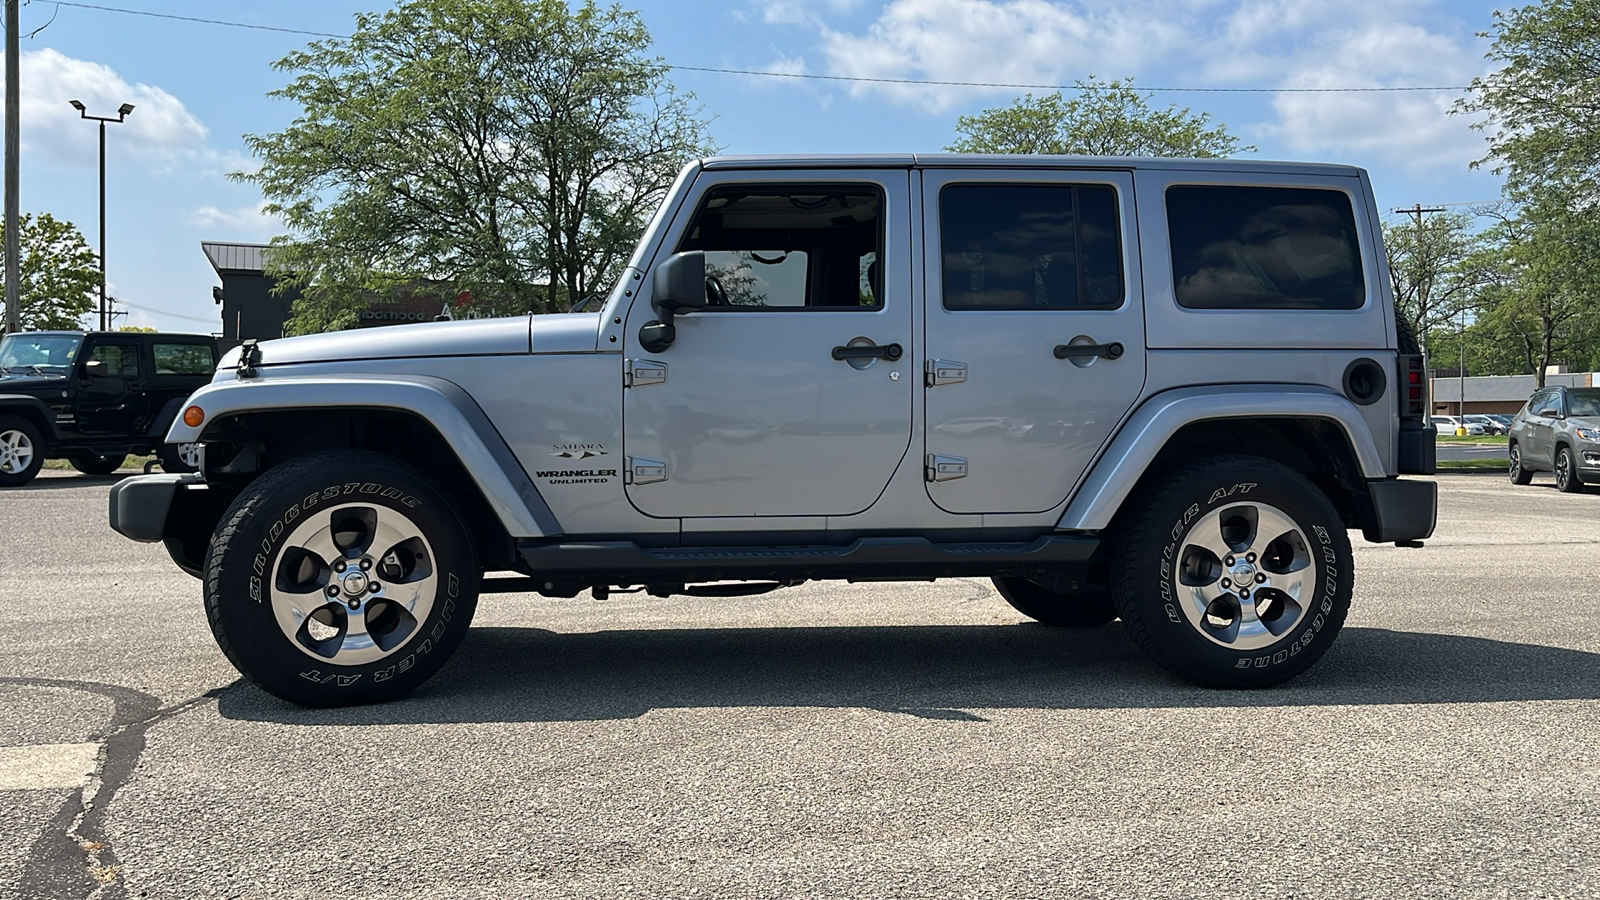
679 284
95 368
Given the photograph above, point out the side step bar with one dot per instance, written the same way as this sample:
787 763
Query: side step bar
624 562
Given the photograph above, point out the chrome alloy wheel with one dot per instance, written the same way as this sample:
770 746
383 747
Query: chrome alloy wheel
1245 576
16 451
190 454
351 584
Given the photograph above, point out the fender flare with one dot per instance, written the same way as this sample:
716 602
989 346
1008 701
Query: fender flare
443 404
164 418
1154 423
41 413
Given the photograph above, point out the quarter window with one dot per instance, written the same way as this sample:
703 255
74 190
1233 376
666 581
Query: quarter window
790 247
1030 247
1264 248
183 359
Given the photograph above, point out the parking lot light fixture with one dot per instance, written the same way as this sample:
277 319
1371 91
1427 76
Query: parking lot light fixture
122 113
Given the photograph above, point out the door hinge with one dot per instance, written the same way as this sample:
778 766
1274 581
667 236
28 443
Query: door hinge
945 468
943 371
640 372
644 471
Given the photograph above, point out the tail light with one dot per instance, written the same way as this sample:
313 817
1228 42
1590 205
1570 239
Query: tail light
1413 386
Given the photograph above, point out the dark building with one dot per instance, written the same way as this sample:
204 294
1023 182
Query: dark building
249 307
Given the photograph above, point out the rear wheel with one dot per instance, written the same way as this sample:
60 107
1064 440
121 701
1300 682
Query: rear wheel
179 458
340 578
1047 607
1519 475
95 464
1234 572
21 454
1567 472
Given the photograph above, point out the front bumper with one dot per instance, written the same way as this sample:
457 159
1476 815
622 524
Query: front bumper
139 505
1401 510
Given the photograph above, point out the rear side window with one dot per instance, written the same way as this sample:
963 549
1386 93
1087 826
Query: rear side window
1017 246
1237 247
184 359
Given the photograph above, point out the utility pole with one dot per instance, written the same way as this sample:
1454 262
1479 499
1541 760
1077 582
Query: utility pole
13 248
122 113
1417 211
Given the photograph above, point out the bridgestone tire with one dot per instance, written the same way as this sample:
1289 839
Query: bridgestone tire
1566 471
1519 475
301 525
1039 603
95 464
20 436
1162 575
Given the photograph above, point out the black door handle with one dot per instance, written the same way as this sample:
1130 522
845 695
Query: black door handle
1112 350
890 352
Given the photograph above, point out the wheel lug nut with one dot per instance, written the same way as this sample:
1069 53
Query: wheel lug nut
1244 594
1249 557
374 587
1228 561
1261 578
1227 583
355 604
333 590
366 564
339 566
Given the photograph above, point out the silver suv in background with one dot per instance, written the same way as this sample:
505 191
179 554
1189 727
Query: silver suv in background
1149 389
1557 431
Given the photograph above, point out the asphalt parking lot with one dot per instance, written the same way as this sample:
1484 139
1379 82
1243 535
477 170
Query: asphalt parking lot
892 740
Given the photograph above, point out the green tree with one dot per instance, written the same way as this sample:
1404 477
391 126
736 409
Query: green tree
1536 298
1543 100
57 275
1105 118
513 148
1433 269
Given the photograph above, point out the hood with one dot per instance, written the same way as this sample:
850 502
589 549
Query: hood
559 333
21 382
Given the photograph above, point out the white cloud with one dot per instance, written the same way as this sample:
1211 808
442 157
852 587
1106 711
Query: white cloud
159 133
1200 43
244 222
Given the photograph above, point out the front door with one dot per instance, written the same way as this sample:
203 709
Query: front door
752 411
113 403
1035 331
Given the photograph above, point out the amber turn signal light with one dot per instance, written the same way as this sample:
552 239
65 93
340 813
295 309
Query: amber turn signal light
193 416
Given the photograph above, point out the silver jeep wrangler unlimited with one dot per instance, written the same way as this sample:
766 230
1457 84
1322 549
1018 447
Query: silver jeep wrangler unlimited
1154 390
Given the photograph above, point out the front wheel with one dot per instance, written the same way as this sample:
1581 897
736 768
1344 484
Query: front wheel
20 451
1567 472
1039 603
340 578
1518 474
1234 572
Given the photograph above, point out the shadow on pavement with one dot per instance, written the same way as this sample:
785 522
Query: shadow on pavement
532 675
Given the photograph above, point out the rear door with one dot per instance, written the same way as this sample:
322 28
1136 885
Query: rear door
1035 331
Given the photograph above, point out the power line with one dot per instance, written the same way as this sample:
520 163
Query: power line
859 79
162 312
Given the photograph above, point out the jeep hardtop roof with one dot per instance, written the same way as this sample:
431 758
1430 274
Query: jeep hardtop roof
1022 161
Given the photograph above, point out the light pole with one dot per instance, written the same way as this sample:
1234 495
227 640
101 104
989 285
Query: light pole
122 113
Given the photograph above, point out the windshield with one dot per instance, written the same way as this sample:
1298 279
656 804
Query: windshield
1583 403
38 354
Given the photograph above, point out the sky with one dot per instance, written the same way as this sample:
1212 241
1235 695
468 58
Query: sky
199 88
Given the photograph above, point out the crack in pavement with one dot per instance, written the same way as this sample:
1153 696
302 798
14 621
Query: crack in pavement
73 858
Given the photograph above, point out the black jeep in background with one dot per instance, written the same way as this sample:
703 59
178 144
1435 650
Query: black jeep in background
93 398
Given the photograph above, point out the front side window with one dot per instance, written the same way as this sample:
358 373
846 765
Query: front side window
790 247
1237 247
122 360
183 359
1019 246
42 354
